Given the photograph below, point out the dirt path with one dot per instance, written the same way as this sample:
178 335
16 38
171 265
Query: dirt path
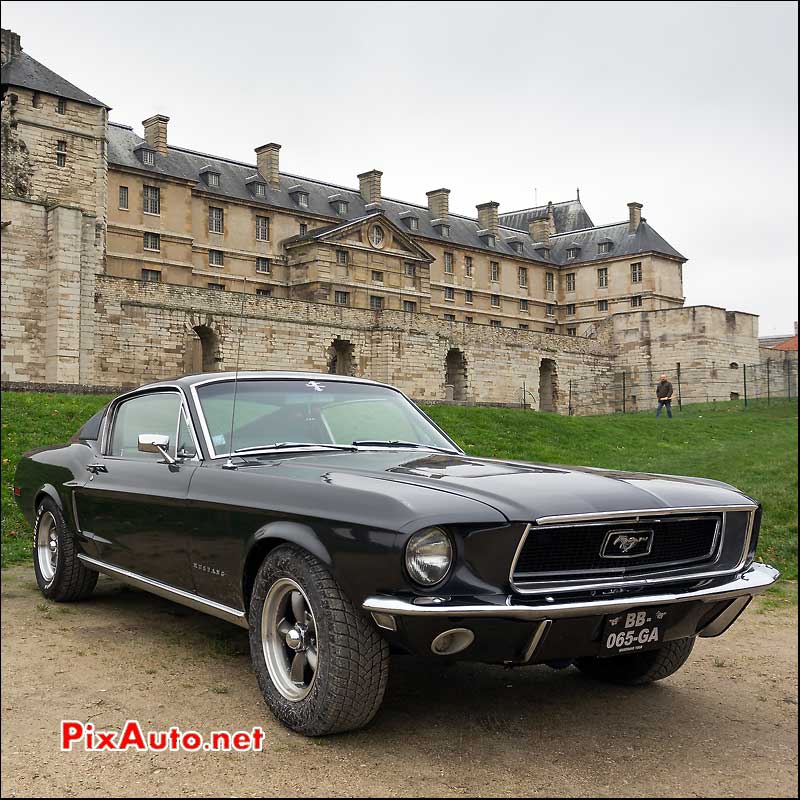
726 725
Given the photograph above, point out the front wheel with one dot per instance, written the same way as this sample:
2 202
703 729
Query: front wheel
639 668
321 665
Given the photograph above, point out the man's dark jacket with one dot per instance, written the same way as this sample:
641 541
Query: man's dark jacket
664 389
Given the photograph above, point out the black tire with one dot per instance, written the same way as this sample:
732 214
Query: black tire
70 580
639 668
352 658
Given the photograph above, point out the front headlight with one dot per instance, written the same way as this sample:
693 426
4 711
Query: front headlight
429 554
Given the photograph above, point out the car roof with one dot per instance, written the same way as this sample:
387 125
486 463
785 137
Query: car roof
187 381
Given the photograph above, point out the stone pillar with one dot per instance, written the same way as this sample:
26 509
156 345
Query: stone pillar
268 161
489 216
155 132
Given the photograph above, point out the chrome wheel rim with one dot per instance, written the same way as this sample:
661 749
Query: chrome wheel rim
289 639
47 546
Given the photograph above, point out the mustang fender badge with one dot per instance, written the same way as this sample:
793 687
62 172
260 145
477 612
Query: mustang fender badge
627 544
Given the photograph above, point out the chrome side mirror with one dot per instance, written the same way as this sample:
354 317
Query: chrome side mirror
155 443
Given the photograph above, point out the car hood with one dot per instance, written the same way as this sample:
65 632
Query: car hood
521 491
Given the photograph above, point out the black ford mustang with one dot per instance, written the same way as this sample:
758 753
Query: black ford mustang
335 521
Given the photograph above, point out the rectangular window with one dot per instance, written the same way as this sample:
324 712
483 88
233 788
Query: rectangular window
216 219
341 298
151 200
61 153
261 190
303 229
152 241
468 296
342 257
602 278
604 247
523 326
123 198
376 303
448 263
572 331
61 106
549 282
494 271
151 275
549 330
602 305
148 157
410 306
218 287
523 277
264 292
450 317
523 306
413 225
636 301
411 270
495 323
468 319
496 300
449 293
570 309
213 178
550 310
341 207
570 281
302 200
216 258
262 229
636 272
263 265
377 276
468 266
572 252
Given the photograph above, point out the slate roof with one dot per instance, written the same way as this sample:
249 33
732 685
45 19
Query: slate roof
464 231
569 215
28 73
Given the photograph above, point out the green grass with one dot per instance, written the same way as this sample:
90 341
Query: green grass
754 449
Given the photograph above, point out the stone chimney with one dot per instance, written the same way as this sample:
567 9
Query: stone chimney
634 217
542 226
10 45
439 203
369 184
489 217
155 132
268 161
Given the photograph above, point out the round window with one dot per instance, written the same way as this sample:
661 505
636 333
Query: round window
376 235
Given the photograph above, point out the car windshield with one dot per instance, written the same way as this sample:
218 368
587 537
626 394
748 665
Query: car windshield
285 414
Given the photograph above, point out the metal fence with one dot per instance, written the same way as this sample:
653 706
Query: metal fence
634 388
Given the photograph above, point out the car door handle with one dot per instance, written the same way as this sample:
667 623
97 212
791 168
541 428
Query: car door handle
95 468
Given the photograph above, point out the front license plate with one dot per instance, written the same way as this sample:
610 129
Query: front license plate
633 631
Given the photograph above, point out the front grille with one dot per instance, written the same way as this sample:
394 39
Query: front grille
568 552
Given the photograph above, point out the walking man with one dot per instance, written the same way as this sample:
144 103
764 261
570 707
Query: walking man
664 396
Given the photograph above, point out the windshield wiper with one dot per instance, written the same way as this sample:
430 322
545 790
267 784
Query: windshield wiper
401 443
265 448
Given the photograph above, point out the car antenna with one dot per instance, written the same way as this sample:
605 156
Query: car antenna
229 463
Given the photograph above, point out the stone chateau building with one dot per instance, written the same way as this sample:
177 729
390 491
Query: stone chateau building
126 258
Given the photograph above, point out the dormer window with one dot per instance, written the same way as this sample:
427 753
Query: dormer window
410 220
604 247
260 189
441 227
339 204
489 239
299 195
413 223
517 247
210 176
148 157
341 207
572 252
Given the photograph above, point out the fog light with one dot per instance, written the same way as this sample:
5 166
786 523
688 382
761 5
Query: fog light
453 641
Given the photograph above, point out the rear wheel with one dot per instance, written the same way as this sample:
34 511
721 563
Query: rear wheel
639 668
321 665
59 572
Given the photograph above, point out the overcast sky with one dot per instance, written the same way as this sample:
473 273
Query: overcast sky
688 108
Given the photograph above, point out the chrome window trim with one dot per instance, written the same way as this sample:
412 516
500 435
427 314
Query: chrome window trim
110 418
306 378
632 516
715 550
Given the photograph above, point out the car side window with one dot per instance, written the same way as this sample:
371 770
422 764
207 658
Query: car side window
155 413
186 447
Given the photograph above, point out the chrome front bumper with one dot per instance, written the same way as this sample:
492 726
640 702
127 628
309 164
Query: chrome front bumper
740 588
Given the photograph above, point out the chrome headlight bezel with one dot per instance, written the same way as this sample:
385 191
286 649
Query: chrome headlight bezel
432 538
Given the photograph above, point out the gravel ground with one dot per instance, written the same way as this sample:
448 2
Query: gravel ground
725 725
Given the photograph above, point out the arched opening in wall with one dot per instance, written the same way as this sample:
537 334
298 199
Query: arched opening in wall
341 358
548 385
455 378
206 356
